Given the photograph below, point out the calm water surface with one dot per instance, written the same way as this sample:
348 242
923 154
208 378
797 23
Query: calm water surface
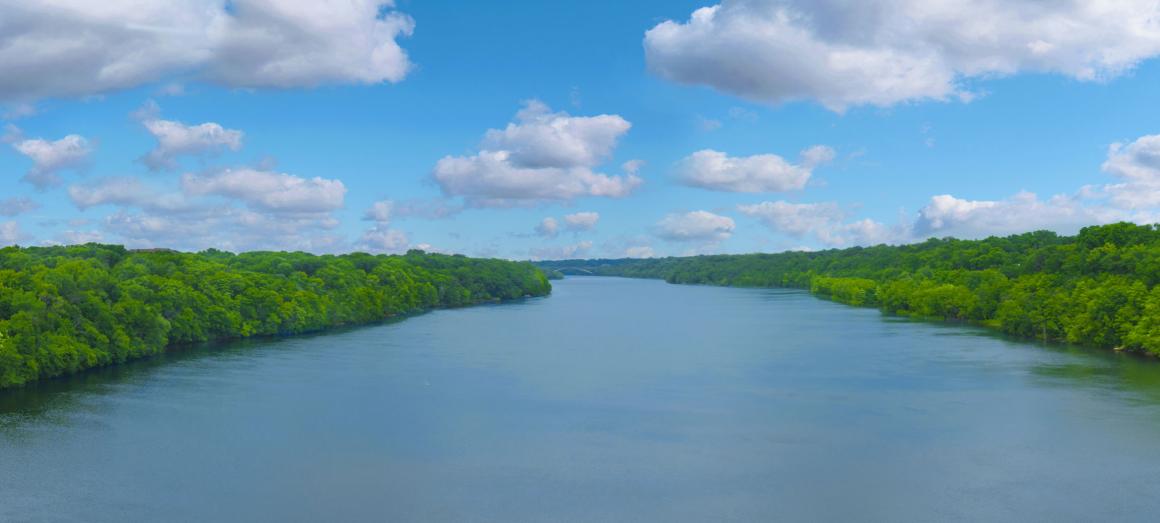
613 399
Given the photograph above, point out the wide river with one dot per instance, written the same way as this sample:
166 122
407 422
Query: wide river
613 399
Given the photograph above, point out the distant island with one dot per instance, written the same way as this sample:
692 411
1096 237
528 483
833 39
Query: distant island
1098 288
67 309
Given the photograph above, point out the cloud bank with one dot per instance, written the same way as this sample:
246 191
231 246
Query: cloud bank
884 52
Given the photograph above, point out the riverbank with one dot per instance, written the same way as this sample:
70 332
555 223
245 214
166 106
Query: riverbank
1098 288
67 309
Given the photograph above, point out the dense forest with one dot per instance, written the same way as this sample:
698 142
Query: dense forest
65 309
1097 288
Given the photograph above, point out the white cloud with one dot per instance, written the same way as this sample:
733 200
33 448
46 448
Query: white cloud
575 250
295 43
718 171
883 52
947 215
542 138
281 212
543 156
632 166
225 227
10 233
576 222
384 239
1135 197
126 192
380 212
1139 160
581 221
795 218
51 157
381 237
490 180
824 221
1138 165
269 191
695 226
548 227
177 139
16 206
76 47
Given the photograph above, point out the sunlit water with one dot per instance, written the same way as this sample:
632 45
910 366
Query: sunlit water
613 399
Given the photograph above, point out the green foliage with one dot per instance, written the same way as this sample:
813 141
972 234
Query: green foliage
66 309
855 291
1098 288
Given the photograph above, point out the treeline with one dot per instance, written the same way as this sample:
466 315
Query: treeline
65 309
1097 288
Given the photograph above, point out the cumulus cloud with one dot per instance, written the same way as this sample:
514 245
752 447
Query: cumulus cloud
825 222
883 52
632 166
489 179
10 233
576 222
382 239
548 227
581 221
268 190
380 212
947 215
1137 164
126 192
794 218
542 138
16 206
292 43
75 48
51 157
232 209
1134 197
542 156
176 139
224 227
695 226
718 171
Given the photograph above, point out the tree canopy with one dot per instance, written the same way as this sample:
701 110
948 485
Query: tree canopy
66 309
1097 288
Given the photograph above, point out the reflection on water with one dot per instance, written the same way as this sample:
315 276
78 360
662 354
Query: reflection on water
612 399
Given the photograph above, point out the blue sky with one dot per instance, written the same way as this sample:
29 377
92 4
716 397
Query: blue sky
289 120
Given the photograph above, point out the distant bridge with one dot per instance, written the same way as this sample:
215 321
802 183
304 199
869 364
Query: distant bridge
575 271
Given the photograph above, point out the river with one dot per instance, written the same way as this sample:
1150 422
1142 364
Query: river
613 399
